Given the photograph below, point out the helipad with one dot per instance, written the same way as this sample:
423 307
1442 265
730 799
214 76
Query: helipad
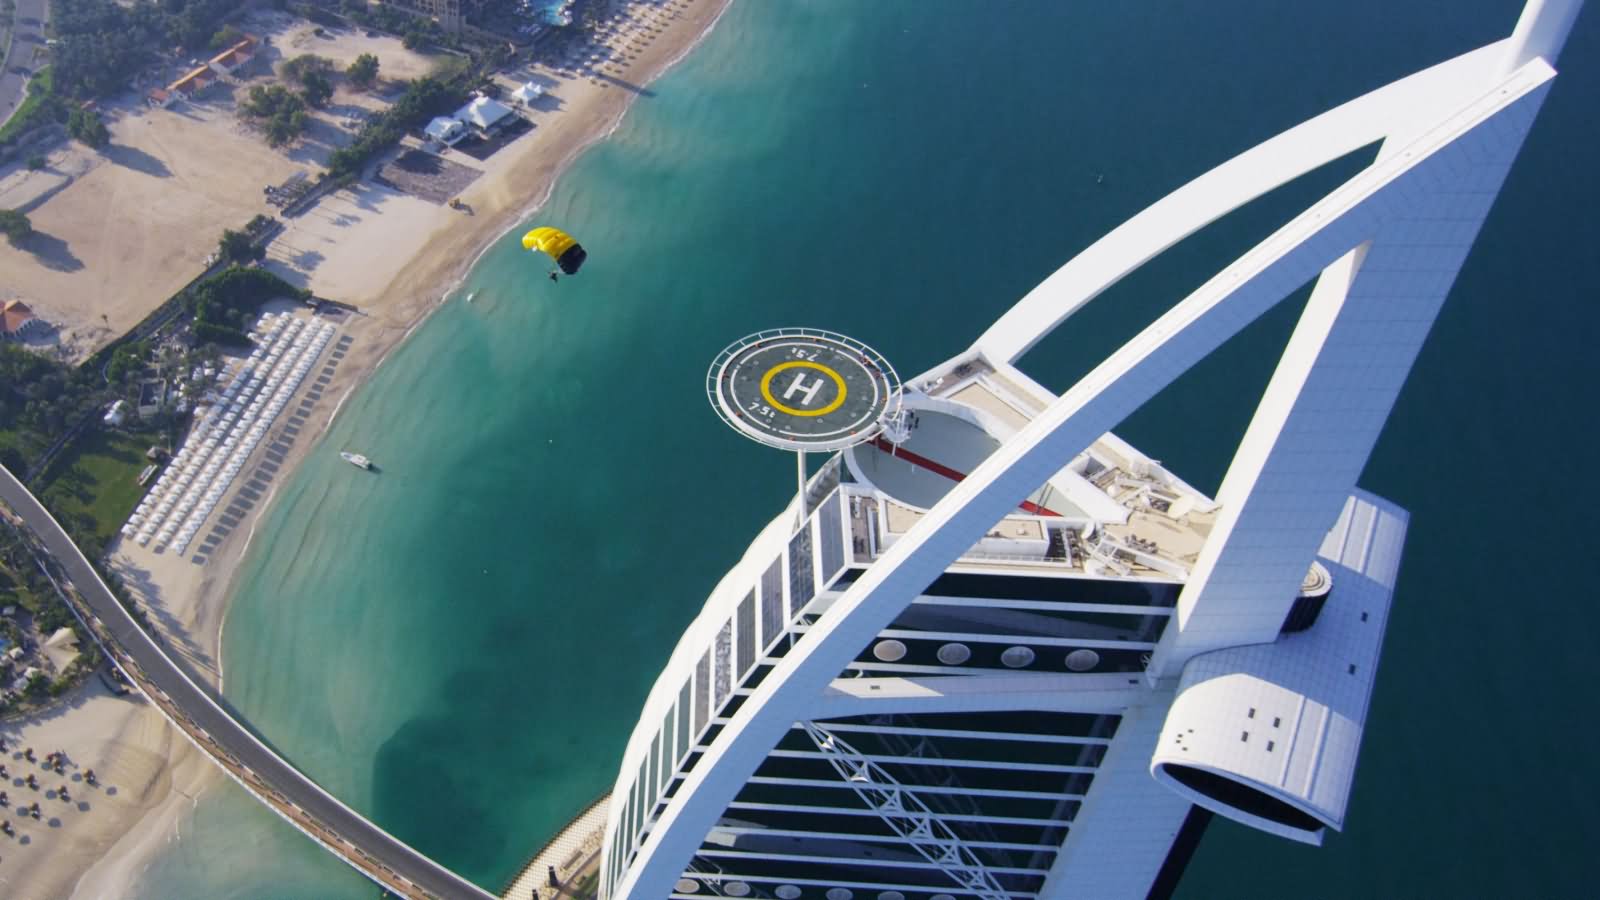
803 389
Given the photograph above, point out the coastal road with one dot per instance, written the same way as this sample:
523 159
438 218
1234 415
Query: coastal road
283 788
30 19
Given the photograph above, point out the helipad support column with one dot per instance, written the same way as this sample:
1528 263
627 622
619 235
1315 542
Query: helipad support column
803 389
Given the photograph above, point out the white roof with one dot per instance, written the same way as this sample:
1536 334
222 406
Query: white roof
528 91
442 127
483 112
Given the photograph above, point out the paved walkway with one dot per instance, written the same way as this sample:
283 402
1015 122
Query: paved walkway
30 19
572 853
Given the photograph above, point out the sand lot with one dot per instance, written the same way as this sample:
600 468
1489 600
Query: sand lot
335 248
121 229
294 36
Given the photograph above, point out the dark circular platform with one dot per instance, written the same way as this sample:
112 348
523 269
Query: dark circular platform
802 389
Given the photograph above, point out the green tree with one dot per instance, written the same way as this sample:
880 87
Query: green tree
283 129
15 225
363 71
317 91
226 37
36 161
127 360
414 39
279 113
86 126
306 65
237 247
38 686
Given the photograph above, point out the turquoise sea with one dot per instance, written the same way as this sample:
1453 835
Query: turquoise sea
459 646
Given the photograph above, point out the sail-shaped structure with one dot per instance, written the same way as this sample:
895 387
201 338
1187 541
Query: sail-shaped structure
1009 655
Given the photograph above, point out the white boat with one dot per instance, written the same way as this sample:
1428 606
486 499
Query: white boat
355 459
471 295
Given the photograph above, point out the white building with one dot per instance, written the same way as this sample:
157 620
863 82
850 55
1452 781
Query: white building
445 130
893 697
484 115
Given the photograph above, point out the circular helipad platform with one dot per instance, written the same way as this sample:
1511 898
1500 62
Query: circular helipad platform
803 389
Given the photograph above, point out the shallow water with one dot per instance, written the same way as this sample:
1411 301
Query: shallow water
458 646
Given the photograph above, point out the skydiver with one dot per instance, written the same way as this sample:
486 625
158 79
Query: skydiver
553 275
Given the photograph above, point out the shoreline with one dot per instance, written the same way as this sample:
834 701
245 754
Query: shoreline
192 602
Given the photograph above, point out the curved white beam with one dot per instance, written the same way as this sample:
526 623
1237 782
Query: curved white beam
1541 32
1372 117
1453 149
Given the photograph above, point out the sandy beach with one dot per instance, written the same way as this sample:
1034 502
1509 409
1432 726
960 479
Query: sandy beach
345 249
141 765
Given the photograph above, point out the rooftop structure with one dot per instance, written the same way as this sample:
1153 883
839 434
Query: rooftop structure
193 82
1008 655
229 60
17 321
445 130
483 114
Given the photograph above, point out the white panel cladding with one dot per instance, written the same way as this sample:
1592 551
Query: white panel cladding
1126 825
1286 718
1328 400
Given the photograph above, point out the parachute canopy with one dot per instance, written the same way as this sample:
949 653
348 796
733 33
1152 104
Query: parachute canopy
559 246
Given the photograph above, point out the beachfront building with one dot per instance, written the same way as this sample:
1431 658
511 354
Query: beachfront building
445 130
485 116
160 98
18 323
994 651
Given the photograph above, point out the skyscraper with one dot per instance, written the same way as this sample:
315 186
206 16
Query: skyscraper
992 650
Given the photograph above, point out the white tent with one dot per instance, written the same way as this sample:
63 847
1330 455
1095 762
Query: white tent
528 93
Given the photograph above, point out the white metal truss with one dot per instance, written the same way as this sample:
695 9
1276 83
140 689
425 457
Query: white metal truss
906 814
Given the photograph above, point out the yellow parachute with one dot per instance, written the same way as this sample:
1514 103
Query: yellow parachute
559 246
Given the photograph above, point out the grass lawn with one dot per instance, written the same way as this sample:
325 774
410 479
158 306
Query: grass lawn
39 89
98 478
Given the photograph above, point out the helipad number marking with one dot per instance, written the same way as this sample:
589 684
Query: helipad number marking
799 386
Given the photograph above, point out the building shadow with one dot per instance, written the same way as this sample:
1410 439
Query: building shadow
136 159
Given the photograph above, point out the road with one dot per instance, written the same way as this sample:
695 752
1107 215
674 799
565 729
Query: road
30 20
295 797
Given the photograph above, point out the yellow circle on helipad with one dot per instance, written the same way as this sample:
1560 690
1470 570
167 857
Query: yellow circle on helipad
766 388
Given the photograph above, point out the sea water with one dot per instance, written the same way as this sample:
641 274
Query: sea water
458 646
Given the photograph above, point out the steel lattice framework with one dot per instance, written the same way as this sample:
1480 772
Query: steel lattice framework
906 814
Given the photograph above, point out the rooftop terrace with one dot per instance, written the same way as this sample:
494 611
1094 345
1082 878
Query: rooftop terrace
1109 512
